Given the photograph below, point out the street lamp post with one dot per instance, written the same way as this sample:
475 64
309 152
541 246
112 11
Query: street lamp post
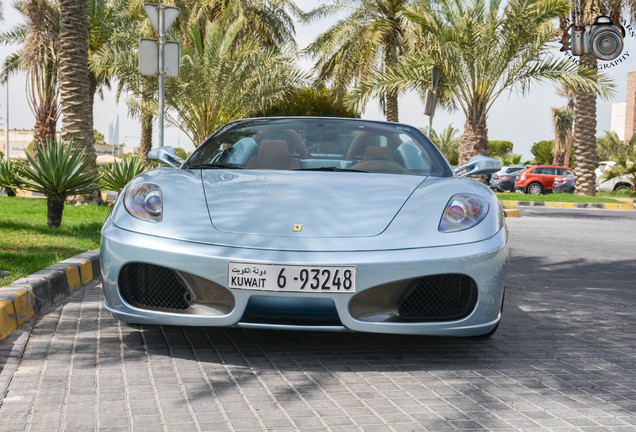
7 121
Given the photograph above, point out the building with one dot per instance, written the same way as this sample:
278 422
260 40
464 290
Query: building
617 122
630 106
19 140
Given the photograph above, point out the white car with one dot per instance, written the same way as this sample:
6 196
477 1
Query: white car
617 183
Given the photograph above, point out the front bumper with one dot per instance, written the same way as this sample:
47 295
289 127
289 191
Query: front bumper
483 261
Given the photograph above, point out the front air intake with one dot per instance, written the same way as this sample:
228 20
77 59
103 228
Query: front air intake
153 286
443 297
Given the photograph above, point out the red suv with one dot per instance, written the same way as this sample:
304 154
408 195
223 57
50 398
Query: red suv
538 179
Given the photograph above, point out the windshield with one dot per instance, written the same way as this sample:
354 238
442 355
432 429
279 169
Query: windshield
320 144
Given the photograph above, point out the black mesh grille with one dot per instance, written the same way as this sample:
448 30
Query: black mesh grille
153 286
439 298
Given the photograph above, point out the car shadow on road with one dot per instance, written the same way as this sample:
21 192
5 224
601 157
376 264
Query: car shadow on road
541 310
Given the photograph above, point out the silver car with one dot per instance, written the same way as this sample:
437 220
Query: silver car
309 224
504 179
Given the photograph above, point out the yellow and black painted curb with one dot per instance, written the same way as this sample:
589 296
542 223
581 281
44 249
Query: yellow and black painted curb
23 298
605 206
512 212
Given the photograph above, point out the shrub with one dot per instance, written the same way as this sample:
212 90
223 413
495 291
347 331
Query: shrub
117 175
9 176
58 173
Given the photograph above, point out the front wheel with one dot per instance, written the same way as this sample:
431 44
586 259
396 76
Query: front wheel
535 189
621 186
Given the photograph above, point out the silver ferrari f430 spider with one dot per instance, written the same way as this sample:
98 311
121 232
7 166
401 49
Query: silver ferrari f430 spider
309 223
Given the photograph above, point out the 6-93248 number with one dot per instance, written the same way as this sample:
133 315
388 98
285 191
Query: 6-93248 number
294 278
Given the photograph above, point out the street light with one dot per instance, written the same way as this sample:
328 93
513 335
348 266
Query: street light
7 121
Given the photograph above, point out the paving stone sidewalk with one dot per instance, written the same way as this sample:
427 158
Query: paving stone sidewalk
82 370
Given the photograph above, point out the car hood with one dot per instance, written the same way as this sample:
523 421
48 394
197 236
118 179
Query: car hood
389 212
305 204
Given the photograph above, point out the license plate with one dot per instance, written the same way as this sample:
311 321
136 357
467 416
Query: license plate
292 278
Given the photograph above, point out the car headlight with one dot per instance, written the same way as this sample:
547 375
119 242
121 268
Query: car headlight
463 211
144 201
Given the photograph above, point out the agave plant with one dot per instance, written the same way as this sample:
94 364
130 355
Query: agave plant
58 173
9 176
116 176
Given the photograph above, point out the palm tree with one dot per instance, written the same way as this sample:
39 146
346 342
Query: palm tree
563 119
116 59
447 143
77 115
103 21
371 39
570 94
610 146
585 157
483 50
221 80
269 22
510 159
39 57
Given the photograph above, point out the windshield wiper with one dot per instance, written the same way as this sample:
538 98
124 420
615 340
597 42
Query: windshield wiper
329 168
213 166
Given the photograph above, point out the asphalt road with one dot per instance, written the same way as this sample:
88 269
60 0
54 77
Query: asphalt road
564 358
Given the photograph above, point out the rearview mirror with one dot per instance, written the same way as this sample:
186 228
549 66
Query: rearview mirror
166 155
478 165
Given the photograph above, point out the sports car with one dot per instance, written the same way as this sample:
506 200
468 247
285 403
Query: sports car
309 223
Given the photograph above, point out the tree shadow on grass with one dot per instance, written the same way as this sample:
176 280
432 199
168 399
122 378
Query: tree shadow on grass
87 230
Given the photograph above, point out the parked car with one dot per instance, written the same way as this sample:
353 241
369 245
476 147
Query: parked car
308 223
504 179
538 179
566 183
617 183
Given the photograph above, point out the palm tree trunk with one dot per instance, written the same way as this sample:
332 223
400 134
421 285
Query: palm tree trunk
54 210
146 136
92 89
585 157
558 157
568 148
77 115
392 107
45 122
474 140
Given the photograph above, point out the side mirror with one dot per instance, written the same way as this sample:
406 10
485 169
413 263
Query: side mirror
166 155
478 165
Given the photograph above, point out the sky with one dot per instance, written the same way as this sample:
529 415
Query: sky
522 119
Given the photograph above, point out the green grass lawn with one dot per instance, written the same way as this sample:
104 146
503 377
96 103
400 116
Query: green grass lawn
28 245
557 197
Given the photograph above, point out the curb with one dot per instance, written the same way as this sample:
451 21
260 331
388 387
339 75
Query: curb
53 285
512 212
606 206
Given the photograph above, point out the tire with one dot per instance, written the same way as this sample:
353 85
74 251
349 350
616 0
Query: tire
535 189
621 186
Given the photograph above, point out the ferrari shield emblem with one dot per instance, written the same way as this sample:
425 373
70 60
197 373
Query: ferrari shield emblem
297 228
